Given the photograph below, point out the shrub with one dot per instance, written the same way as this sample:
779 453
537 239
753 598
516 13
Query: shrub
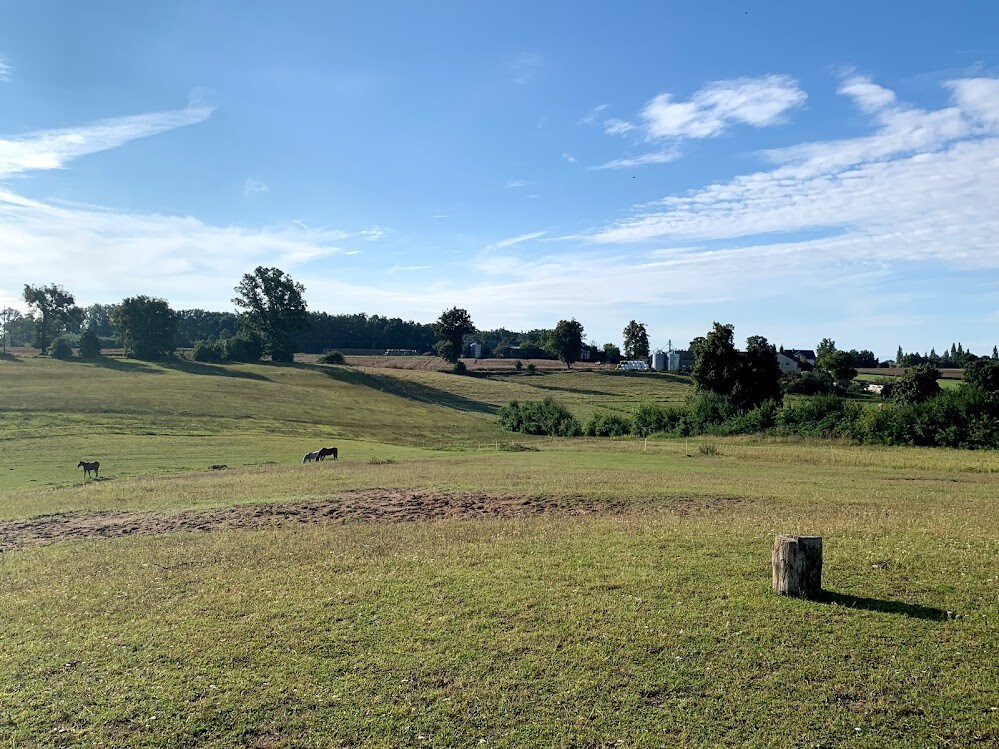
916 384
61 349
459 368
650 418
807 383
90 346
539 417
532 368
518 365
607 425
760 419
331 357
708 448
241 349
822 415
207 351
984 375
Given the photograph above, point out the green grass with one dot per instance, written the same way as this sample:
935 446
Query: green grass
654 626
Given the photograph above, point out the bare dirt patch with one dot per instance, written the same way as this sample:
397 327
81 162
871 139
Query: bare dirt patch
364 506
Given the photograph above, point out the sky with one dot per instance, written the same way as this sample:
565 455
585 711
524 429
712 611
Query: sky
799 170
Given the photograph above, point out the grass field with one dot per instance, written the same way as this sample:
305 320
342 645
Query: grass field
630 607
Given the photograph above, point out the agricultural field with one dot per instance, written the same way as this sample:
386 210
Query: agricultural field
447 583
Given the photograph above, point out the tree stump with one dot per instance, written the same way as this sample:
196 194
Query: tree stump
797 563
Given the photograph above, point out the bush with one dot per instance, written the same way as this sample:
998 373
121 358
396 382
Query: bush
822 415
459 368
532 368
90 346
331 357
650 418
207 351
241 349
539 417
984 375
61 349
607 425
807 383
763 418
518 365
917 384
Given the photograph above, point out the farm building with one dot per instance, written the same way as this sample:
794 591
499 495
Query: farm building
679 361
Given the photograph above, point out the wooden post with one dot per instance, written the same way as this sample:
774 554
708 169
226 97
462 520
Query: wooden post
797 563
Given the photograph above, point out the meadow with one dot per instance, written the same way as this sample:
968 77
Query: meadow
580 592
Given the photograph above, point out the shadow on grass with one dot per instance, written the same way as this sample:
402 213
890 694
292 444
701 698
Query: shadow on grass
5 356
579 391
410 390
913 610
210 370
120 365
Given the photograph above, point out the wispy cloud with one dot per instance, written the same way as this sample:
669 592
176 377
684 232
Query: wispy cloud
511 241
919 189
253 186
5 70
373 233
400 268
711 111
569 157
515 184
52 149
525 67
657 157
593 115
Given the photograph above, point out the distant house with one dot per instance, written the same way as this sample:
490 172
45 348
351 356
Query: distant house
794 359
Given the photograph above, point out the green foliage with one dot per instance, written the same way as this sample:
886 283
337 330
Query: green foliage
916 384
546 417
451 328
532 367
518 365
826 346
90 345
960 418
9 317
612 354
636 341
459 368
61 349
807 383
331 357
207 351
566 341
607 425
820 416
984 375
57 312
146 326
655 418
716 362
839 365
274 309
241 348
757 375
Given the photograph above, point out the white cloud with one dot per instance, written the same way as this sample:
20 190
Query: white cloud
515 184
758 102
373 233
569 157
617 127
398 268
525 67
509 242
657 157
919 189
593 115
51 149
254 186
4 70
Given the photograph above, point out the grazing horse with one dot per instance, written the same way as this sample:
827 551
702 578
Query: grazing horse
309 457
88 467
219 467
328 451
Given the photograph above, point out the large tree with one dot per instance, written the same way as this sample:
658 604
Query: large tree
716 362
916 384
451 328
758 375
636 341
566 341
57 312
146 326
274 309
8 318
839 365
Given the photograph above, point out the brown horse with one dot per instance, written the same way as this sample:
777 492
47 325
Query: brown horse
328 451
89 467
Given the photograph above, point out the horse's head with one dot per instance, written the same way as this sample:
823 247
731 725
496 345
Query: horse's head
80 464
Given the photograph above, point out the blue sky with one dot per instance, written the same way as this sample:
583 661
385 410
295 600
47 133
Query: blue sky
798 170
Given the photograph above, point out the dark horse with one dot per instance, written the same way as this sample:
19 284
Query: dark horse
88 467
327 451
309 457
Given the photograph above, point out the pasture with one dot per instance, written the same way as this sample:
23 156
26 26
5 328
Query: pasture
446 583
